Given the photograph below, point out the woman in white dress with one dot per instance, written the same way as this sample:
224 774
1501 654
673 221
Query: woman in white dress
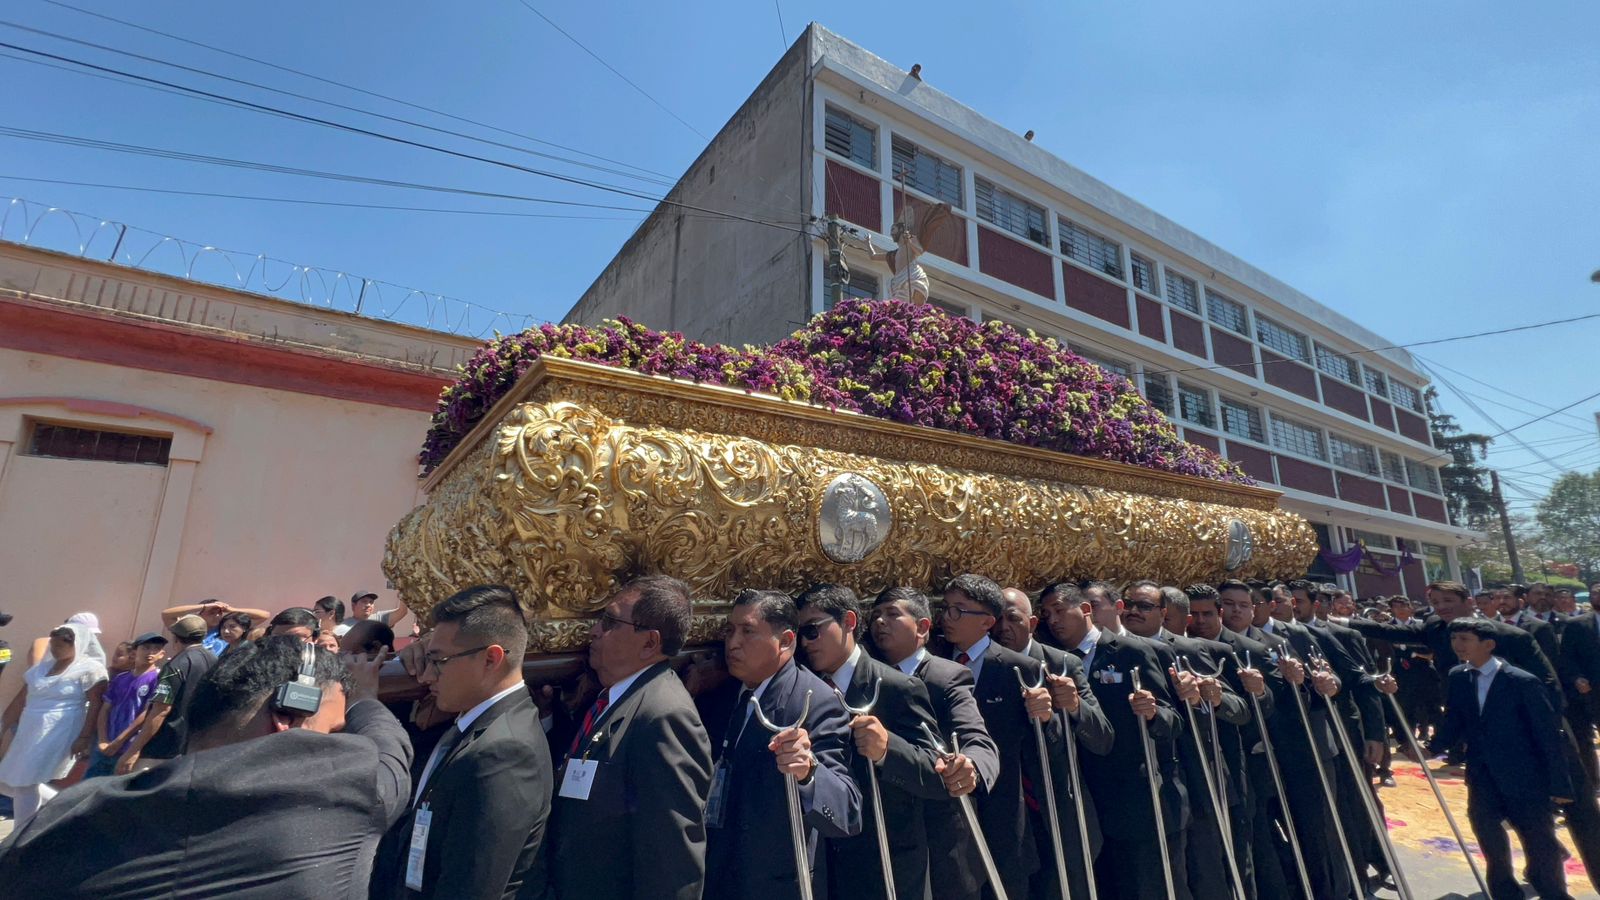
52 718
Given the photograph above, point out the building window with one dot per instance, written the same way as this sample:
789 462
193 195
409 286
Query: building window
1423 477
959 312
1182 292
1144 274
926 172
851 138
1435 563
1297 437
1110 365
1006 210
1375 382
1373 540
1393 469
1158 390
98 445
1340 367
1405 395
1287 341
1353 455
1090 249
1242 420
861 286
1228 313
1194 405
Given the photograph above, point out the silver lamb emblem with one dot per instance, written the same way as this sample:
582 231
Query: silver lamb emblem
1241 545
854 520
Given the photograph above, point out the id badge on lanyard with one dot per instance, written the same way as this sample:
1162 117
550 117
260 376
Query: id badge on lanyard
418 851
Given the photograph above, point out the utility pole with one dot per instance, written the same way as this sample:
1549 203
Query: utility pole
1505 528
838 266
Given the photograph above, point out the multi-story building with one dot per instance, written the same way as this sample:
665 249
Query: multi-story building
1303 398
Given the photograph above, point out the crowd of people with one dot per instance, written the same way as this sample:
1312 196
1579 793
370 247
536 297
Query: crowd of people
1131 742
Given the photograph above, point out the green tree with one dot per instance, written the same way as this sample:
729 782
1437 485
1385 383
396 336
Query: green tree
1569 517
1466 483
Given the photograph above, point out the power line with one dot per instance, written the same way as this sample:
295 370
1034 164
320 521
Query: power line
1307 359
352 205
664 182
783 33
350 87
407 142
1535 419
1480 411
613 70
1587 425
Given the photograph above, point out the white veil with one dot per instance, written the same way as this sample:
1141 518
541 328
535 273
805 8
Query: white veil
90 657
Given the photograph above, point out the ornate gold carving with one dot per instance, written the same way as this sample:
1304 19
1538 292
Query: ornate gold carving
563 499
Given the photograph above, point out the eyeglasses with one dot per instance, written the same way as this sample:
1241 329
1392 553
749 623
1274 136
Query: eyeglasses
812 630
1143 606
608 621
956 612
439 661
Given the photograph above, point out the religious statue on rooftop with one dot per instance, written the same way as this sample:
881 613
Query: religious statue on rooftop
911 232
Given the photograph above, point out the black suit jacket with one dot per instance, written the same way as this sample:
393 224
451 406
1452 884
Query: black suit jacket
1240 748
1512 644
1513 746
1580 658
954 866
490 797
1546 634
1118 781
1288 730
1093 734
291 815
906 778
751 854
1359 699
1002 809
641 834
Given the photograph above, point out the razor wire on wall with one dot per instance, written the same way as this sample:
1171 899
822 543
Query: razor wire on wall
33 224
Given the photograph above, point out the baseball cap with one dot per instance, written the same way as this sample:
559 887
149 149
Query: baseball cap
362 595
87 619
188 627
150 637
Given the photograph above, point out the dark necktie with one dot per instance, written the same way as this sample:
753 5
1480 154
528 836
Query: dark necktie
1078 652
1473 677
736 721
828 680
963 658
589 718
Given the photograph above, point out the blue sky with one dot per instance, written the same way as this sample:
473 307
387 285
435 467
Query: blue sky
1429 169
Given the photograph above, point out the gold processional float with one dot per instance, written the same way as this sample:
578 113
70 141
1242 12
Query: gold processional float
584 476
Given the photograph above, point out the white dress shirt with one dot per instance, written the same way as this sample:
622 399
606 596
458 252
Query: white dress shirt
841 676
463 722
1090 642
615 692
975 656
910 663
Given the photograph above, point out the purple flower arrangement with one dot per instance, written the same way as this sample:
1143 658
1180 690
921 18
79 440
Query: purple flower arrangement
900 361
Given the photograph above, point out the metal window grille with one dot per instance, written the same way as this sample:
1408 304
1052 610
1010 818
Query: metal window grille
1090 249
1423 476
1158 390
67 442
1297 437
1242 420
926 172
1340 367
1353 455
1373 539
1144 274
1375 382
1405 395
1006 210
861 286
1110 365
1194 405
1228 313
1183 292
851 138
1284 340
1393 469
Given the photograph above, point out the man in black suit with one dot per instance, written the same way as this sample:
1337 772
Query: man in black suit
893 740
478 813
1146 605
972 605
1529 607
1578 665
749 845
270 801
1130 864
1070 693
1514 761
900 624
628 819
1252 793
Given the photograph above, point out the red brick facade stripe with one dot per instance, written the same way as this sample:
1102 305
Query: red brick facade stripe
1188 334
1306 476
1382 413
1429 507
1232 351
1413 426
852 196
1094 295
1256 461
1344 398
1150 323
1015 262
1360 490
1291 376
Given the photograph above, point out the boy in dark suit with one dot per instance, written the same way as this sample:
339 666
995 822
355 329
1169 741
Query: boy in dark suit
1515 771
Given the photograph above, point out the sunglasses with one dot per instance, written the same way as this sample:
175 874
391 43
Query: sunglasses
812 630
